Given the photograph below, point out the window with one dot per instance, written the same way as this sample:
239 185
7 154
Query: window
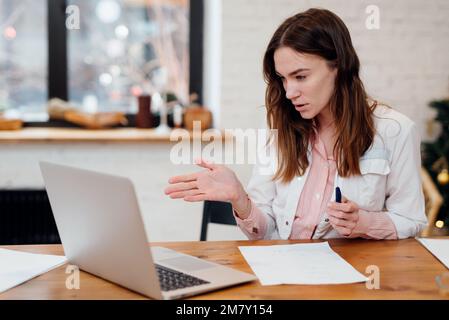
23 56
119 49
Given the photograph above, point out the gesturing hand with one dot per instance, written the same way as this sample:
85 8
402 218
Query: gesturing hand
217 183
343 216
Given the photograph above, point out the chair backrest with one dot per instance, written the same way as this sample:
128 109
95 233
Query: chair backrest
433 201
216 212
26 218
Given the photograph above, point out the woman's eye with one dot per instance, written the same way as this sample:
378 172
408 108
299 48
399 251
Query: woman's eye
300 77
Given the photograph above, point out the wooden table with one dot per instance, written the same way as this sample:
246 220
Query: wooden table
407 271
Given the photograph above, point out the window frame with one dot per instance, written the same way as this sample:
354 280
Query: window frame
57 79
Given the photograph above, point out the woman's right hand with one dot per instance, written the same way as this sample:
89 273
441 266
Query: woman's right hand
217 183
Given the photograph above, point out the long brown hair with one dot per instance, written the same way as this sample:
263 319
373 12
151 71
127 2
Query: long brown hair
322 33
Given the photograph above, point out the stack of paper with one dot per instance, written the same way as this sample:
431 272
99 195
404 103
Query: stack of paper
17 267
438 247
314 263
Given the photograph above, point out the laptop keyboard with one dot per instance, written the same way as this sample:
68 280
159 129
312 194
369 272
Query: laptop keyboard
171 279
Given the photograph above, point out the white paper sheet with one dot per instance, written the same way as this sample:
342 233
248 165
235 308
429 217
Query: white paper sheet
308 263
438 247
17 267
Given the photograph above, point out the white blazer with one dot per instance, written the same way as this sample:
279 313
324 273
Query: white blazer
390 181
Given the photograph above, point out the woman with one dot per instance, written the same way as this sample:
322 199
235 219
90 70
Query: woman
329 134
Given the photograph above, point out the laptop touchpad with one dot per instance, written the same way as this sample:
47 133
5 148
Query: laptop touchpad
188 263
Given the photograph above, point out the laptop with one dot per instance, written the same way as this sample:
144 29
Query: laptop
102 232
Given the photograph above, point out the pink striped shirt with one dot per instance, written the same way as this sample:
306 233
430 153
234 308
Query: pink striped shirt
314 198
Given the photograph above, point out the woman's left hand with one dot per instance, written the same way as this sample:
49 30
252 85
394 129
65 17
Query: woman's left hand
343 216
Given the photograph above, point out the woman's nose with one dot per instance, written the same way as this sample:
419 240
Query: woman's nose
291 91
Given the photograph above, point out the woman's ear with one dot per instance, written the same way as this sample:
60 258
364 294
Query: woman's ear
332 64
335 72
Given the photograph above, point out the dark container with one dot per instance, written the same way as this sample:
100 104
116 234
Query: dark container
144 117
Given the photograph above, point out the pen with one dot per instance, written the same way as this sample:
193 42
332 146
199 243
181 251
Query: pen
337 195
337 199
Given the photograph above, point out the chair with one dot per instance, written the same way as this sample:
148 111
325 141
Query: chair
433 201
216 212
26 218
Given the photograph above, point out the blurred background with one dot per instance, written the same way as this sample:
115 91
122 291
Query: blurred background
75 65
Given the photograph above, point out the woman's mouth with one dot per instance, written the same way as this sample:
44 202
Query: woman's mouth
300 107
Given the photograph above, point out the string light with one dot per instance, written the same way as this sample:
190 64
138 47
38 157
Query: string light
105 79
439 224
115 70
108 11
10 33
136 91
121 32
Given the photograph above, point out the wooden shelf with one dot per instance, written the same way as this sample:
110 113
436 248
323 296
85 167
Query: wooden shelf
61 135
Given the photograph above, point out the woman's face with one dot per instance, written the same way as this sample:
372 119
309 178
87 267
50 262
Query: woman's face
308 81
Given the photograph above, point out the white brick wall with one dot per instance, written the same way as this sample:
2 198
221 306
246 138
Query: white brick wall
405 63
147 165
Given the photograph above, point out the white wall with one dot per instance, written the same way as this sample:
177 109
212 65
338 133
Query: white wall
148 166
405 63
